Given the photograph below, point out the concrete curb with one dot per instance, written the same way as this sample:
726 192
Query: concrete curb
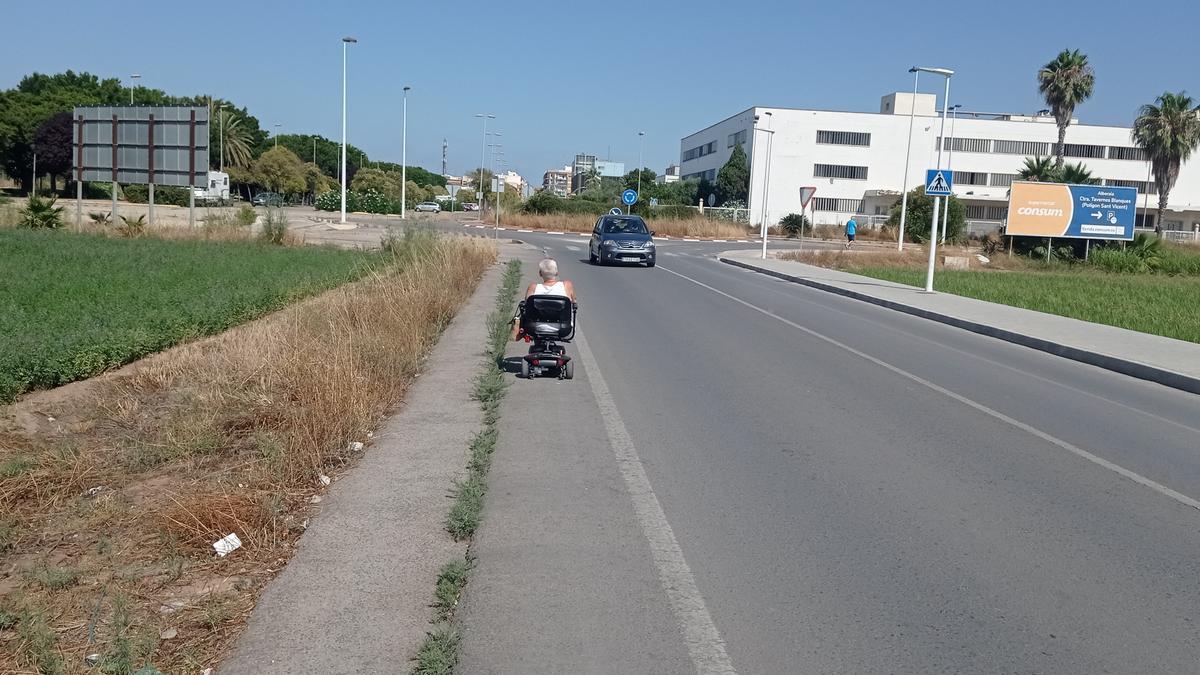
1128 367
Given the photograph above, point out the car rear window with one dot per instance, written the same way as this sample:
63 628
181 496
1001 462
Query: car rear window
632 225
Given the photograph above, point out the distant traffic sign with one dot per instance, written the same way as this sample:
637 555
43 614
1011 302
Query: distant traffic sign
938 183
654 201
630 197
616 212
806 195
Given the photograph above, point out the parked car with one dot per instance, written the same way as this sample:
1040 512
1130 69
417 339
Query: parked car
267 199
470 206
621 239
428 207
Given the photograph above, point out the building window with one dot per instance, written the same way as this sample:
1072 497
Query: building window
737 139
706 149
976 211
840 171
1141 185
1080 150
968 144
970 178
1124 152
843 137
1001 179
1032 148
1145 220
833 205
996 213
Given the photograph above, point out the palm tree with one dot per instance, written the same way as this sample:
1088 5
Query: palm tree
1065 82
237 139
1038 169
1077 174
1168 133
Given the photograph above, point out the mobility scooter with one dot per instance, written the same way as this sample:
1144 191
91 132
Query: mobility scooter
545 321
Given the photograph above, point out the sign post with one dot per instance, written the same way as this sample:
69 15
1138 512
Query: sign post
938 184
629 197
806 195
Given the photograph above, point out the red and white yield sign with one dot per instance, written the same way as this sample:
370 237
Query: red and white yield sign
806 195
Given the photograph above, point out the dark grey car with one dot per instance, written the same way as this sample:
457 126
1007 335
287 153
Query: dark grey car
621 239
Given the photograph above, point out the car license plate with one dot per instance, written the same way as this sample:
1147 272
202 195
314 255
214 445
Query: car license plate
630 258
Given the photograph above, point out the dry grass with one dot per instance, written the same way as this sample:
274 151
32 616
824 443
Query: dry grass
912 257
695 227
129 478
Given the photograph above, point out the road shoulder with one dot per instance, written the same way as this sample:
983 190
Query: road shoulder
356 597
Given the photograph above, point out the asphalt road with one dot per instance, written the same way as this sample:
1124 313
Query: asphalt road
848 489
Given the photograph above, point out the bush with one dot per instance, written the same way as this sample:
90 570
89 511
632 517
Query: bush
673 211
1116 260
163 194
132 227
274 227
794 224
246 215
920 214
41 214
542 203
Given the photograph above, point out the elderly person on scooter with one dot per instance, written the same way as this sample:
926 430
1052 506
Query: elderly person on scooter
549 285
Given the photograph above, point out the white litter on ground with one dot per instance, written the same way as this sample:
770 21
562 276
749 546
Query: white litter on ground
227 544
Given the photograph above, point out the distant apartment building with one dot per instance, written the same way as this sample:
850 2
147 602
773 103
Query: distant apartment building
585 164
558 181
669 175
514 180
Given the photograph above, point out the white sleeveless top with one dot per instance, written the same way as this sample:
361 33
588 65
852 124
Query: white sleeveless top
556 288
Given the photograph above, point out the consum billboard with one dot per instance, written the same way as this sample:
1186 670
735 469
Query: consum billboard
1076 211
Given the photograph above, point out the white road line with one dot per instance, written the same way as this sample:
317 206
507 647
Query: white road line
1073 449
573 248
743 241
721 241
686 239
554 233
524 230
704 643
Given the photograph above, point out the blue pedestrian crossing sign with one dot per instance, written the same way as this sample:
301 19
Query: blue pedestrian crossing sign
938 183
629 197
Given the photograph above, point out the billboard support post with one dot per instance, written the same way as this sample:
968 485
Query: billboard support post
150 205
79 172
150 172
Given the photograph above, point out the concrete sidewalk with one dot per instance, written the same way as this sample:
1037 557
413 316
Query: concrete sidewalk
1174 363
356 597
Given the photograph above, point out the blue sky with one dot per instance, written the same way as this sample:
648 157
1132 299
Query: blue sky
569 77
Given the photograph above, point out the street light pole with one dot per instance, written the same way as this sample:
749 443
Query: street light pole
937 200
950 168
277 126
404 158
482 152
641 144
912 112
345 42
221 161
767 182
134 76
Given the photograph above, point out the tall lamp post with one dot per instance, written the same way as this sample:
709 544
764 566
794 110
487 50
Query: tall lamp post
221 161
766 182
482 152
404 157
277 126
912 112
346 41
937 201
949 167
641 143
132 77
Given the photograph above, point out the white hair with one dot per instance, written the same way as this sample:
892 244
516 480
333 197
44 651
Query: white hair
548 269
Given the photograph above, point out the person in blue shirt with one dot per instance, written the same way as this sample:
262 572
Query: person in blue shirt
851 230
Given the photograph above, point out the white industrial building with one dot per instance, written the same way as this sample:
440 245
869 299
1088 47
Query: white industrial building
856 160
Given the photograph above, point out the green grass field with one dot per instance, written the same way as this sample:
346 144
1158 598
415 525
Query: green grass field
1157 304
74 305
